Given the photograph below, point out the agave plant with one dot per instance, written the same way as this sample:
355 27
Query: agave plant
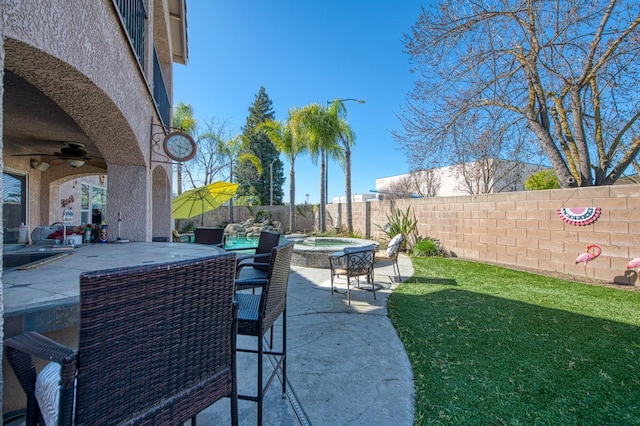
399 222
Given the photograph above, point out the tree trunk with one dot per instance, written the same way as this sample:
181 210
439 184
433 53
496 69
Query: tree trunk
565 179
292 199
322 192
179 178
347 186
231 200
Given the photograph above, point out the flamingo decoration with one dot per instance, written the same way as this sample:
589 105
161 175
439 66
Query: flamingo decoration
635 263
588 256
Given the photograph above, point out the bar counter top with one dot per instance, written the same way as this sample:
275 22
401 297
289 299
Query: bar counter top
46 297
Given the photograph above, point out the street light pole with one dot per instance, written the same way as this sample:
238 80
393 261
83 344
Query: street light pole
271 180
326 154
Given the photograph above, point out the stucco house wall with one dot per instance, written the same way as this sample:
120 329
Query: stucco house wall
77 54
76 63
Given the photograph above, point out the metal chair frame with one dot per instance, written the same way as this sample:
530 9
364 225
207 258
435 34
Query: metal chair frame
353 263
257 314
254 267
381 255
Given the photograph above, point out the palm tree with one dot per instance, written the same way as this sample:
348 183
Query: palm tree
322 129
347 138
183 119
286 138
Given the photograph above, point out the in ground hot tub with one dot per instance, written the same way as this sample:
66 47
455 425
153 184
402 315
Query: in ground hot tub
313 252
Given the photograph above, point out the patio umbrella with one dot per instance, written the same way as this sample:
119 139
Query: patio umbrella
199 200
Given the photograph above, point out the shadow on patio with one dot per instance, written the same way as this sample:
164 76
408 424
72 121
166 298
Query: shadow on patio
346 364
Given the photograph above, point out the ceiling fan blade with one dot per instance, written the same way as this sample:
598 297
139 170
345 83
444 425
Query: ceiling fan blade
98 164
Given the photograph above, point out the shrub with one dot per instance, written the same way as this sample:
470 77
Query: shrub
263 216
188 227
426 247
400 222
544 179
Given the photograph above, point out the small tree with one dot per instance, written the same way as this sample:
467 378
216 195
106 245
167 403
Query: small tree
544 179
209 164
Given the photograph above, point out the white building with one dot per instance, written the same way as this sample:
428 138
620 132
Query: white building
471 178
355 198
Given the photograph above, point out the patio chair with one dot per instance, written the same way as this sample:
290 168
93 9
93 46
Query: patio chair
156 346
211 236
390 254
252 267
353 262
258 312
181 238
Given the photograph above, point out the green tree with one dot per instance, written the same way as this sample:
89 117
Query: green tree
288 140
347 138
258 144
563 72
183 119
321 128
229 150
544 179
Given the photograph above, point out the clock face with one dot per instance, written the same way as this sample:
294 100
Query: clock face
179 146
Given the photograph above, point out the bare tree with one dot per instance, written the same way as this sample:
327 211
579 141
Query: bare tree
427 182
488 152
210 162
563 71
403 187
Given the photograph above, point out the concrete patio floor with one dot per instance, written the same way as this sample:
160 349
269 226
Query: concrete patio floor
346 363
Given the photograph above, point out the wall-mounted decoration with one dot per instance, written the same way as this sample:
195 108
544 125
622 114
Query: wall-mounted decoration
579 216
65 202
176 145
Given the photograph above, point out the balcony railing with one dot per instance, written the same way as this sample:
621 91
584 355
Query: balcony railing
160 94
134 15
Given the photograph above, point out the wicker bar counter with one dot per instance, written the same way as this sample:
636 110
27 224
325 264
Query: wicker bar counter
45 298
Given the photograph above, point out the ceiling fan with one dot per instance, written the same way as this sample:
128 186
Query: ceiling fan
72 154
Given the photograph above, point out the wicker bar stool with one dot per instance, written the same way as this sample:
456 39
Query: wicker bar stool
157 346
258 312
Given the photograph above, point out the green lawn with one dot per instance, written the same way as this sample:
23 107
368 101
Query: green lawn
493 346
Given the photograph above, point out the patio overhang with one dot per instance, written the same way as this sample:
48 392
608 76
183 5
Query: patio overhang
178 22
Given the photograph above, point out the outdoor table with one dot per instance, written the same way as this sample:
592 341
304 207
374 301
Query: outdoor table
46 298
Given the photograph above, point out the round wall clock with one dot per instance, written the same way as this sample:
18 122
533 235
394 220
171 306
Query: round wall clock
179 146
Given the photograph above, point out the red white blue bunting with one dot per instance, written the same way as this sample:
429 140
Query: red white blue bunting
579 216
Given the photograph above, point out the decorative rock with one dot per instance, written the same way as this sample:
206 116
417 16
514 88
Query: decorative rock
251 228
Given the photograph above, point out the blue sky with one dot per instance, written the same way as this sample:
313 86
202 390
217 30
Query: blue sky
304 52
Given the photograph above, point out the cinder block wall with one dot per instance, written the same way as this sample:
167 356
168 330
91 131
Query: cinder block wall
306 216
523 229
517 229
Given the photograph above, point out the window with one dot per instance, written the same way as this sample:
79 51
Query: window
98 204
85 210
14 194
